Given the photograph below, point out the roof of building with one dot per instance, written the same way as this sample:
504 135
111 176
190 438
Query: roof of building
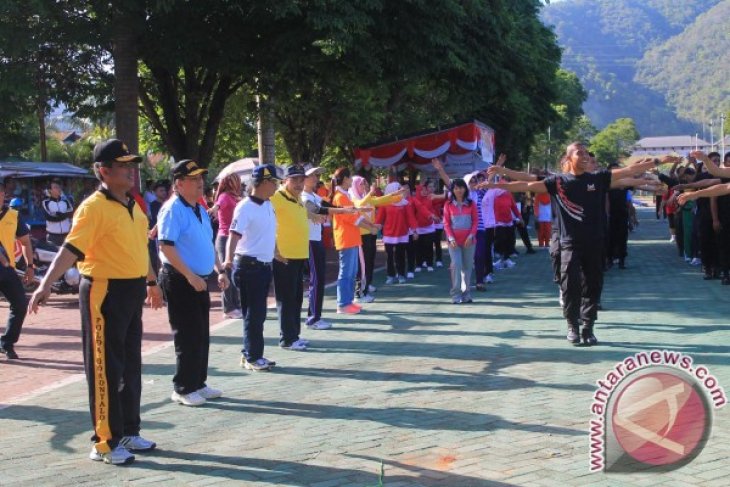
671 141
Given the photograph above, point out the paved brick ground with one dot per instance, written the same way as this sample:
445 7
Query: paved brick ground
440 395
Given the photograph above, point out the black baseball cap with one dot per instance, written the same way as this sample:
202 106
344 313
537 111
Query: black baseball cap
187 167
295 170
264 172
114 150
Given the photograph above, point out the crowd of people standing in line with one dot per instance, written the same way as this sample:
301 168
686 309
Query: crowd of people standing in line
274 232
698 212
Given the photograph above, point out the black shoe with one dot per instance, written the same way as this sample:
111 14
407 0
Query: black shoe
467 300
599 307
707 277
9 353
531 251
588 339
481 287
621 265
573 336
725 281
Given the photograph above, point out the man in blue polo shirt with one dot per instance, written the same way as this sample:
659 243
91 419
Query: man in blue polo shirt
188 258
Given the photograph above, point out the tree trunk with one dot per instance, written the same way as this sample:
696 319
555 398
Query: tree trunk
126 82
41 112
266 132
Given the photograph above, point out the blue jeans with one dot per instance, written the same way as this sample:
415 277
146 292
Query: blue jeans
231 300
252 278
316 280
346 276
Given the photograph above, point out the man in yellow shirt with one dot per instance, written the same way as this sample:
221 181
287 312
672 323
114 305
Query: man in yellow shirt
108 238
12 229
292 251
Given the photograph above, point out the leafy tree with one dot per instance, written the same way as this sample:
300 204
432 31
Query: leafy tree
48 56
614 142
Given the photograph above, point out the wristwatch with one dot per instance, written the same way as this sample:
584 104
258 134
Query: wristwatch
151 283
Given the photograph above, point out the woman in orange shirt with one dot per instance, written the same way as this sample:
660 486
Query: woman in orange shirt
346 230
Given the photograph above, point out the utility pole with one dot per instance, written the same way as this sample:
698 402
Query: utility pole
712 136
722 133
548 149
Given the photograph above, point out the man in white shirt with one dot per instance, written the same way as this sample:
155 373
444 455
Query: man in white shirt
250 251
58 211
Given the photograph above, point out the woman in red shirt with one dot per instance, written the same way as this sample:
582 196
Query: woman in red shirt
460 225
398 222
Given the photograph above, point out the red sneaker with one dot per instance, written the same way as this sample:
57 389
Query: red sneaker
350 309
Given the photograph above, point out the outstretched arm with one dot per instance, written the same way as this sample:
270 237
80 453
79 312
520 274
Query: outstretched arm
712 168
640 167
701 184
442 174
517 186
511 173
633 182
717 190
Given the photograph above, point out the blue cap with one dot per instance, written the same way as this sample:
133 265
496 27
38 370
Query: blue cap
16 203
264 172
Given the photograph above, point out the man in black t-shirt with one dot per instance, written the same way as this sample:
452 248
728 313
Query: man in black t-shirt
714 239
580 196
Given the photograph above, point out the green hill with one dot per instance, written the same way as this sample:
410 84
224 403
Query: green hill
605 40
692 67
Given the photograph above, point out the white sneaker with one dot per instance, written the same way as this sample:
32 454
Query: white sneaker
439 263
192 399
695 261
209 393
498 265
297 346
489 279
371 289
672 239
365 299
410 275
118 456
236 314
418 269
401 280
320 325
304 341
137 443
258 365
509 263
429 269
390 280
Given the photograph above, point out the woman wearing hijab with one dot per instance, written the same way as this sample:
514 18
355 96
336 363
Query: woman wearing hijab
346 230
363 196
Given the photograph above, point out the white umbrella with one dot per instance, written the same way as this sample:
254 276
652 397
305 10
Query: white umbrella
243 167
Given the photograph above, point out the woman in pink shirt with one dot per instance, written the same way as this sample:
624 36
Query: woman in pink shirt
460 225
226 197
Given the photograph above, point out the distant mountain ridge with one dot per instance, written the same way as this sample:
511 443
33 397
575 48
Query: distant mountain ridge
605 42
